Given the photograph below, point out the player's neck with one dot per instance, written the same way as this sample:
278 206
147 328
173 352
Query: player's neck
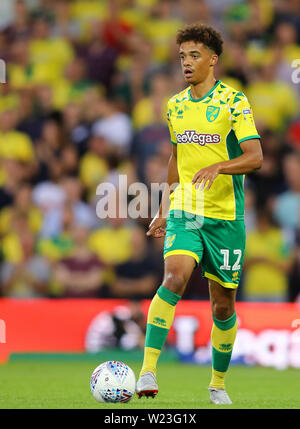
202 88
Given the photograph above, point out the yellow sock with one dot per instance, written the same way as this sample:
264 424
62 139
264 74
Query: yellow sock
160 317
217 379
222 338
150 360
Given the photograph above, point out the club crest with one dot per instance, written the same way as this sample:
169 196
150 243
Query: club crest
170 240
212 113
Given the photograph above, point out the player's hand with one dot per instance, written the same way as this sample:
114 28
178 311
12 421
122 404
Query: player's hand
205 176
157 227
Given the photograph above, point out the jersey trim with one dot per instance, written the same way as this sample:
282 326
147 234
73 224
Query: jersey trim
206 95
182 252
234 151
224 325
249 138
173 142
216 279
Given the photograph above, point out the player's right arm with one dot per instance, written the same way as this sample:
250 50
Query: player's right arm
157 226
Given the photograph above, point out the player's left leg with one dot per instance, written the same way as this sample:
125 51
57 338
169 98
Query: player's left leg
222 337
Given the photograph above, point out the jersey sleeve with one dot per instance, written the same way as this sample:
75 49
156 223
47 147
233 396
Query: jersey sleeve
172 134
242 118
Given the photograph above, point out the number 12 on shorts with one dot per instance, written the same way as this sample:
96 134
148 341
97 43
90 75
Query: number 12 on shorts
236 266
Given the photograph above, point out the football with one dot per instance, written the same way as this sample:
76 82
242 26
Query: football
113 381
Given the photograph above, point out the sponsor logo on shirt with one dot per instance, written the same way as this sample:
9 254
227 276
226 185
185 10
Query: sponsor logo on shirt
248 116
247 111
191 136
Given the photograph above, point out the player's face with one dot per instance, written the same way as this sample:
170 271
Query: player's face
196 61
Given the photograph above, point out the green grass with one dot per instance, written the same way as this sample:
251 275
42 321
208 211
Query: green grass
62 384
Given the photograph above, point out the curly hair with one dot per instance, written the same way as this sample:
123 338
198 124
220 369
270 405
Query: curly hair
201 33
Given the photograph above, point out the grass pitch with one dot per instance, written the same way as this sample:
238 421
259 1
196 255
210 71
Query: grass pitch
41 384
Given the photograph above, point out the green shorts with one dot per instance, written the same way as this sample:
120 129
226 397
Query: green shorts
218 244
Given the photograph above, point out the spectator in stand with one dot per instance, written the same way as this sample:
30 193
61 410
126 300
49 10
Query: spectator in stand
24 273
269 180
64 25
19 28
59 246
100 59
83 213
30 122
267 262
136 278
11 178
70 160
131 84
250 207
113 240
93 167
22 204
273 101
156 165
114 126
160 28
234 68
48 54
116 30
80 274
287 50
48 196
146 143
21 71
44 100
287 205
15 146
195 10
9 100
293 133
152 109
72 86
83 12
294 284
90 104
77 129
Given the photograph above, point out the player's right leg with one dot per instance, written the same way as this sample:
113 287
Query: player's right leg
178 269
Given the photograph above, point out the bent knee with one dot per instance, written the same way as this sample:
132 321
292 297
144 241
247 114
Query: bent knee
222 310
175 282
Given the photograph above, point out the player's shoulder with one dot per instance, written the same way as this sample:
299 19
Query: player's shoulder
179 97
233 95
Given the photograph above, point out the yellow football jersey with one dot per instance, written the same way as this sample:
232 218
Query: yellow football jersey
206 131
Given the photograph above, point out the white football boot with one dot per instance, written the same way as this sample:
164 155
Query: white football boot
147 385
219 396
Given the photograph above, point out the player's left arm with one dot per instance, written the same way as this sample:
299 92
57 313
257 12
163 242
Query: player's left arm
250 160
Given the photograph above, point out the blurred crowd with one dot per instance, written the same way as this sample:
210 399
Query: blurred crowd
84 101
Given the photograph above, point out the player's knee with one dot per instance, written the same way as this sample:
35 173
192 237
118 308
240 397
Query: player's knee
222 310
175 282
